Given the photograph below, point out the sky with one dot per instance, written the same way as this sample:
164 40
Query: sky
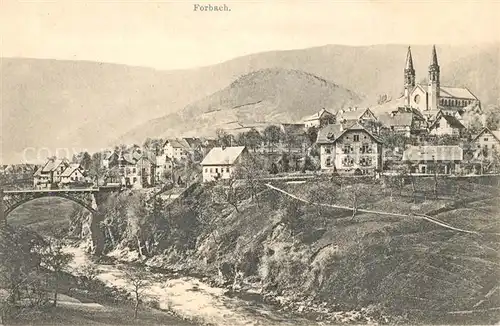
171 35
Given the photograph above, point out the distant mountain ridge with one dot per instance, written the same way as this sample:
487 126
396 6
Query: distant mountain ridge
76 104
268 95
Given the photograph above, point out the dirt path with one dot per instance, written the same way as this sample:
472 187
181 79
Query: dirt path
192 299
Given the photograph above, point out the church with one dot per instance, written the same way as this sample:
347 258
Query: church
431 98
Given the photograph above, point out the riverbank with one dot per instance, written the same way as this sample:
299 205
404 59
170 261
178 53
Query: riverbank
189 297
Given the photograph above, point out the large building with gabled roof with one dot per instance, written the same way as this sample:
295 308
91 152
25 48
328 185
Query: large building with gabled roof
431 97
351 149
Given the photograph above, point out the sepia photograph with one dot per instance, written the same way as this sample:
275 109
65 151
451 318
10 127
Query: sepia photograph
249 163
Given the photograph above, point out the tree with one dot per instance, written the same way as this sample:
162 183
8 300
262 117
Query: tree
139 283
154 145
251 172
54 258
223 138
96 170
227 193
475 125
312 135
251 139
272 136
493 118
292 216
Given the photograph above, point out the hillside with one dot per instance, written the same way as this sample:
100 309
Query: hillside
269 95
89 104
319 260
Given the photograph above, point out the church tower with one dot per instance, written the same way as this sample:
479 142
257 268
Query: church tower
409 77
433 85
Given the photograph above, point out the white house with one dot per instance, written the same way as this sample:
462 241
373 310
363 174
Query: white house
319 119
446 124
350 149
72 174
178 149
221 163
49 174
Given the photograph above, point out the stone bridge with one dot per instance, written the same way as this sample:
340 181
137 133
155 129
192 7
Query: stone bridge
89 198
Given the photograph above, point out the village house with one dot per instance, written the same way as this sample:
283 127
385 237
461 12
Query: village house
350 116
446 124
349 149
73 175
221 163
431 159
132 169
319 119
164 166
178 149
404 121
48 176
485 142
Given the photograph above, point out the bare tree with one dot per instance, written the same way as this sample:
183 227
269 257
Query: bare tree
251 172
139 283
227 193
54 258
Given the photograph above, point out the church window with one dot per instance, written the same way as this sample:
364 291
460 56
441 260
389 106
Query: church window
417 98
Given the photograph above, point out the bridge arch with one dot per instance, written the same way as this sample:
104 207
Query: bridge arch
12 201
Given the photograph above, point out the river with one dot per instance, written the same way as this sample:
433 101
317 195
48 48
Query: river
191 298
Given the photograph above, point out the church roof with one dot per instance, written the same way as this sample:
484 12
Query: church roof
434 58
409 60
456 92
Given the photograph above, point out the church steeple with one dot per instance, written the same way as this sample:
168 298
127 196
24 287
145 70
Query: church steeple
409 77
433 84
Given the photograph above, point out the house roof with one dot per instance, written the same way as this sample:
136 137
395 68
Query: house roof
329 133
354 114
317 115
178 143
456 92
431 153
495 133
220 156
452 121
38 172
51 165
398 120
70 170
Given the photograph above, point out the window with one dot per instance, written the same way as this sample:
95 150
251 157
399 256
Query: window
206 170
133 170
134 179
328 150
347 149
347 161
328 162
227 170
486 139
417 98
366 149
356 137
216 170
211 170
